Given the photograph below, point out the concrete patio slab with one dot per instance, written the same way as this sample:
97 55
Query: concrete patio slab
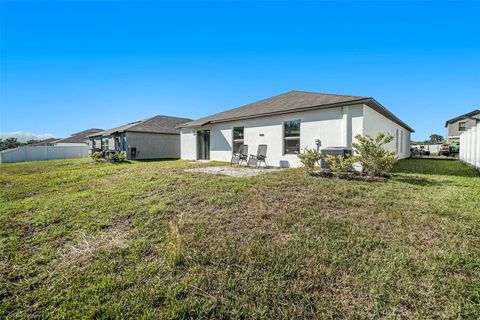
233 171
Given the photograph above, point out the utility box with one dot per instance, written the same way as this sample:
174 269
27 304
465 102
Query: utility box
334 151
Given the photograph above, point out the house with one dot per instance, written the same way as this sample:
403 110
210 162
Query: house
77 139
46 142
461 124
153 138
289 122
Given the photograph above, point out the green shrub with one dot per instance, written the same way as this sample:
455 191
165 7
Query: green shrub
308 157
122 156
117 157
370 152
97 156
340 164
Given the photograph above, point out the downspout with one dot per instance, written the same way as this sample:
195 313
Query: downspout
346 127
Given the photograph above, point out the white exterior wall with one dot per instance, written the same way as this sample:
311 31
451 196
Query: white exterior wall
188 141
374 122
153 145
335 127
326 125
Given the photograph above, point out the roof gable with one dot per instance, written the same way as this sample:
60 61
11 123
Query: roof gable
80 137
156 124
463 116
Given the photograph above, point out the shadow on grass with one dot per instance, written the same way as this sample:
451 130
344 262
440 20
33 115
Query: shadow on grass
434 167
156 160
417 181
439 158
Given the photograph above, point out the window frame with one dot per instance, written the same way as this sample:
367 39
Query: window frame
464 126
284 138
105 142
237 140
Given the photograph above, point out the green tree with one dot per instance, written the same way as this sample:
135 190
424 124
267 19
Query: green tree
11 143
436 138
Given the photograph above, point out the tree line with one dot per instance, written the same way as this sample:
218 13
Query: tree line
12 143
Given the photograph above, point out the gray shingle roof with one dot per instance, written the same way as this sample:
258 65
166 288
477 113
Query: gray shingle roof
79 137
463 116
46 142
156 124
293 101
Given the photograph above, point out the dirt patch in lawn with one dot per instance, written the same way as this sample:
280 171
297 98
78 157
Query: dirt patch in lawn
233 171
89 246
348 176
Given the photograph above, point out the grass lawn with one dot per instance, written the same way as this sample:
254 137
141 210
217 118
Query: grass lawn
82 240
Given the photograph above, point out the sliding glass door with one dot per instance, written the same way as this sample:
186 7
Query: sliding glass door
203 145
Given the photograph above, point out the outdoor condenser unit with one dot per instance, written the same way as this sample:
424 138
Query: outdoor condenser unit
334 151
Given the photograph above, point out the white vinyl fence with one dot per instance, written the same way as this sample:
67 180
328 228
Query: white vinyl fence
42 153
470 146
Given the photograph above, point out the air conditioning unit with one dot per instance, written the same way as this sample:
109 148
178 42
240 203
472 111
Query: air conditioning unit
334 151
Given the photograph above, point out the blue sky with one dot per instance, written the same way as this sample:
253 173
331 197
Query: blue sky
67 66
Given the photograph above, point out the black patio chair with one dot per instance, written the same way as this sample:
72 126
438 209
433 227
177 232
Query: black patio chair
256 160
242 155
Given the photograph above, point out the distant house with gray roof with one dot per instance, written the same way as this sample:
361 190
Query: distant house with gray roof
153 138
77 139
460 124
45 143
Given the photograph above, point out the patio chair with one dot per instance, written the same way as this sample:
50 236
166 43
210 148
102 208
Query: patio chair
242 155
256 160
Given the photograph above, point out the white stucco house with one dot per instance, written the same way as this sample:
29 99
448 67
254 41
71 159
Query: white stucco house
290 122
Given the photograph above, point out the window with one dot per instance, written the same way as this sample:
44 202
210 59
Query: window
105 144
462 126
291 137
237 139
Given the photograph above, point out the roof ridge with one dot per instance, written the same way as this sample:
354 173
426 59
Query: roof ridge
272 97
134 124
329 94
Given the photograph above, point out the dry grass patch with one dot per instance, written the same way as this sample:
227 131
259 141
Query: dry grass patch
149 240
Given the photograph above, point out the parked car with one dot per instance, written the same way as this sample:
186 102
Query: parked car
419 151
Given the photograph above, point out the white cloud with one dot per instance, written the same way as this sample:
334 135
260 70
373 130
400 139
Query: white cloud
23 136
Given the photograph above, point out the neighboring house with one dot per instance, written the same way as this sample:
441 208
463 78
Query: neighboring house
77 139
290 122
153 138
46 142
461 123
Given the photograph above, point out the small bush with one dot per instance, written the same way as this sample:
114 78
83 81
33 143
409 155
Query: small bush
122 156
370 152
117 157
97 156
308 157
340 164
